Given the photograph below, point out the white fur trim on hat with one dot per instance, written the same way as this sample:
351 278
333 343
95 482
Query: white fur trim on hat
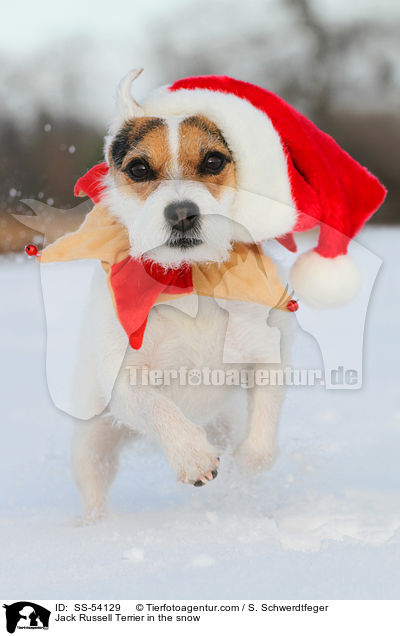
325 282
264 205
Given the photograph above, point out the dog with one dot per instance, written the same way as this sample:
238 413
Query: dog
172 183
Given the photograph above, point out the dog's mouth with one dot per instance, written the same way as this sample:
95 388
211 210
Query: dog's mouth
183 242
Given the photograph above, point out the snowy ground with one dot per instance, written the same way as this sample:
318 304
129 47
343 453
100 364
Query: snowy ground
323 523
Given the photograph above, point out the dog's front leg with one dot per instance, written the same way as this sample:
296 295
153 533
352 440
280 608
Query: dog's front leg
193 459
191 456
258 451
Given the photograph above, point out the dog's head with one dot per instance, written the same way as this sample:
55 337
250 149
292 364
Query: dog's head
172 184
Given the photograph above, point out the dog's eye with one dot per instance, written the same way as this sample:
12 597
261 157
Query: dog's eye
139 170
213 163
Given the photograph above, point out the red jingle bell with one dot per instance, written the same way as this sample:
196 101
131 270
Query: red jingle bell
292 305
31 249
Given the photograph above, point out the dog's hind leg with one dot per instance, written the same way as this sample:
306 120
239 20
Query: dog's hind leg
258 451
94 458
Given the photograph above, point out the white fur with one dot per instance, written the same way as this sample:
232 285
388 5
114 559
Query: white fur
325 282
173 138
148 231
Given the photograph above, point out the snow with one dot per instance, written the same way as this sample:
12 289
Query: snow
323 523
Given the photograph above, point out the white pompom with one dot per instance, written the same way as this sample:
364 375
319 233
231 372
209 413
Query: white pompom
325 282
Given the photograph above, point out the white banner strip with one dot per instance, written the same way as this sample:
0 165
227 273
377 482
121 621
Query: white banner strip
172 617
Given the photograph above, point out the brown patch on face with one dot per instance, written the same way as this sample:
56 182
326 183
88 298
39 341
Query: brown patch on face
146 140
200 138
141 140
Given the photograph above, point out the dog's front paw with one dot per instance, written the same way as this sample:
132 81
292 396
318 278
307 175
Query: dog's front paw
254 457
194 460
203 479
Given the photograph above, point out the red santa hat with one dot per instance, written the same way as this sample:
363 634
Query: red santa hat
291 176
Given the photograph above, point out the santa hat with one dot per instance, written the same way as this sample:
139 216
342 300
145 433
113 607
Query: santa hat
291 176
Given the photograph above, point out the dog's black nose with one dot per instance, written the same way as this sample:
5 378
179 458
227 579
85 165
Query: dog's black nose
182 215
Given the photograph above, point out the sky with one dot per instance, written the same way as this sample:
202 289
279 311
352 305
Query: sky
70 58
28 26
40 22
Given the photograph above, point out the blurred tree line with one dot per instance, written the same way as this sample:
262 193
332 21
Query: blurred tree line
41 162
345 76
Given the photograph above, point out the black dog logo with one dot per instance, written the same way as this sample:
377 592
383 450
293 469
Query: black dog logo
26 615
